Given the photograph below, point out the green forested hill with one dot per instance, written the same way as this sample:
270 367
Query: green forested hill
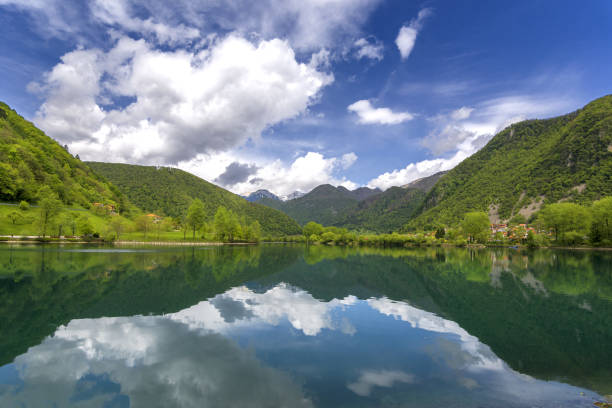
527 165
390 210
386 212
29 159
169 191
324 204
362 209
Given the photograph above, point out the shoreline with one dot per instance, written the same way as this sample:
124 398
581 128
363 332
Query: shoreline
38 241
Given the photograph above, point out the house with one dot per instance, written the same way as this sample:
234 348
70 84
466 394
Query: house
156 218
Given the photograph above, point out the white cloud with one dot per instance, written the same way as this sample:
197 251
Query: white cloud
368 379
51 17
483 357
117 13
408 34
181 103
347 160
369 48
370 115
308 25
156 361
242 306
415 171
303 174
462 113
464 131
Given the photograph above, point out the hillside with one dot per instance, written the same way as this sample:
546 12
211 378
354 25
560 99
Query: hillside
527 165
29 159
390 210
363 209
169 191
324 204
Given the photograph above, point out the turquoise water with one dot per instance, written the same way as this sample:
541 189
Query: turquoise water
291 326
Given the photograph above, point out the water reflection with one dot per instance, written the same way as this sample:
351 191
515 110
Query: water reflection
294 326
195 358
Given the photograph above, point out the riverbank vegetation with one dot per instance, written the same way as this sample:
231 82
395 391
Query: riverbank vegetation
560 224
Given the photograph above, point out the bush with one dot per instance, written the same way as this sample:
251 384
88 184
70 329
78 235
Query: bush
24 206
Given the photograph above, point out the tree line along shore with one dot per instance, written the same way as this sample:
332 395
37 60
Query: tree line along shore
561 224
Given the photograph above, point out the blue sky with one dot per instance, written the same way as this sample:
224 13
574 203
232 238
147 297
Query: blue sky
287 95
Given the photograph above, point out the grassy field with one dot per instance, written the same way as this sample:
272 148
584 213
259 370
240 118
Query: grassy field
29 226
29 223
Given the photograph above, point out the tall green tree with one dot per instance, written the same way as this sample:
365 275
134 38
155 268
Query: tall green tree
50 206
196 216
84 225
144 223
68 221
117 225
565 217
601 226
476 226
14 217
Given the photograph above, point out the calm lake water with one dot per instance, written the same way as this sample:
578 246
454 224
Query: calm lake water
291 326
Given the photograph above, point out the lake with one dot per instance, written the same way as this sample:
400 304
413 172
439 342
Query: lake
296 326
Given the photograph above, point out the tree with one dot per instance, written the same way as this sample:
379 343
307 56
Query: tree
117 225
84 225
227 226
565 217
196 216
14 217
518 219
254 232
312 229
50 207
68 221
144 224
476 226
601 227
440 232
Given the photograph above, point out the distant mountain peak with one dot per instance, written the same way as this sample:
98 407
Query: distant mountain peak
261 194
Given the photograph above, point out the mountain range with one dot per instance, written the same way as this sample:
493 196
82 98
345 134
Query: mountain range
523 168
363 209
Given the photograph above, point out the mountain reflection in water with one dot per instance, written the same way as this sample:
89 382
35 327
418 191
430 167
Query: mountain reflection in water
295 326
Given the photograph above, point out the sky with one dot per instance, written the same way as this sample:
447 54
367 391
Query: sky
286 95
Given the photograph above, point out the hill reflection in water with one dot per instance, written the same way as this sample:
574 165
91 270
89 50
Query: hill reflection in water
296 326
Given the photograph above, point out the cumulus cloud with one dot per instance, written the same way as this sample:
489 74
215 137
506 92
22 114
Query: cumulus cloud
462 132
236 173
370 115
413 171
181 103
304 173
146 361
408 34
243 307
369 48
